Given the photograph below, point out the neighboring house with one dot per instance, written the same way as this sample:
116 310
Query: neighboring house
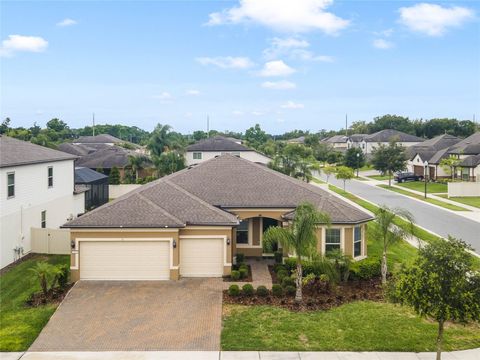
95 185
355 140
468 150
36 191
430 151
104 139
298 140
338 142
384 137
210 148
193 223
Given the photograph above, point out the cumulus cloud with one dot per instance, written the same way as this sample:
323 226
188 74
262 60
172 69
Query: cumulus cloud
257 113
276 68
164 97
226 62
283 15
237 112
294 48
67 22
192 92
279 85
21 43
433 19
292 105
382 44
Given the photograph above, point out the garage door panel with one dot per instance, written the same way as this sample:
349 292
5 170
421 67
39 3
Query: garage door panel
201 257
125 260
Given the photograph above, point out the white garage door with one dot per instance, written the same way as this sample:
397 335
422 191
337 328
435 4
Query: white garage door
124 260
201 257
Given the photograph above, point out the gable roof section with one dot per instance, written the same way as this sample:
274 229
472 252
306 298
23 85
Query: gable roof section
429 148
217 143
468 146
98 139
336 139
471 161
77 149
85 175
390 134
106 158
440 142
15 152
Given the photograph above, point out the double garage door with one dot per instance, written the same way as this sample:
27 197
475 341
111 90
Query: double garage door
149 260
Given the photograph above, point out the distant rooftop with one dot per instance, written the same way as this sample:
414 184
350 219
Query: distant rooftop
390 134
217 143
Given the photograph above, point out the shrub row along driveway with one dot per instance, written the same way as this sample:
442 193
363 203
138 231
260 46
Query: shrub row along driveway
140 315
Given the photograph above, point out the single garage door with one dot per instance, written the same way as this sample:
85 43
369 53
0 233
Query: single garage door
418 170
124 260
201 257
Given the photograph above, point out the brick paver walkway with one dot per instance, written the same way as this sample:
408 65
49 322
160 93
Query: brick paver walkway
136 315
260 273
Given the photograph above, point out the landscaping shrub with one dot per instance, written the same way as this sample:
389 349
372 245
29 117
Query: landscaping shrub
278 267
240 258
278 255
248 290
288 281
277 290
324 278
308 279
243 266
234 290
290 290
366 269
290 264
235 275
281 274
63 276
262 291
243 272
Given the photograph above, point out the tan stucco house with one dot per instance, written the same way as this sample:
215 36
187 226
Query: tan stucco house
193 223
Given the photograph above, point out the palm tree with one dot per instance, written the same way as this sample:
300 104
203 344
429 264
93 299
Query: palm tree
300 237
389 232
159 139
306 166
45 273
136 163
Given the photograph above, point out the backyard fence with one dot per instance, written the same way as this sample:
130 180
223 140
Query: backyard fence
50 241
463 189
116 191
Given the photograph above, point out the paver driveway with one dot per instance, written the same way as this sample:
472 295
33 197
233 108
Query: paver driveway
136 315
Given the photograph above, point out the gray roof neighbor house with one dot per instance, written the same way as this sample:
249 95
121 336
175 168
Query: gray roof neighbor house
217 143
468 146
390 134
429 148
204 194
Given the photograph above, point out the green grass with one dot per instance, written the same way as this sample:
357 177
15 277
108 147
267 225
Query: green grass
357 326
378 177
432 188
420 197
21 325
472 201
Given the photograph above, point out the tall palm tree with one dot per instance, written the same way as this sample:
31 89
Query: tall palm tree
389 232
136 163
300 237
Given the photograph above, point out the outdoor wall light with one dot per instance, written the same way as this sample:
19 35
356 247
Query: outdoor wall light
174 244
72 244
228 241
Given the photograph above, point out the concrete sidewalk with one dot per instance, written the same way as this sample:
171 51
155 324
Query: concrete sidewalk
241 355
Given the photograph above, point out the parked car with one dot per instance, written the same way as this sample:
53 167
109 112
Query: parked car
407 176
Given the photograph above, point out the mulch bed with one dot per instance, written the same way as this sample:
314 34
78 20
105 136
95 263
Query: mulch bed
54 296
316 299
245 279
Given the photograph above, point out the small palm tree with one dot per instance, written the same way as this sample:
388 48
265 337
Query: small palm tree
45 273
300 237
389 232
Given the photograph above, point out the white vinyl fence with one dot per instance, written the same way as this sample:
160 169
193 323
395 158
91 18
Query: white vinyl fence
50 241
463 189
115 191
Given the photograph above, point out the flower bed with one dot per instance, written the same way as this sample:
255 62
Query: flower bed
54 296
247 278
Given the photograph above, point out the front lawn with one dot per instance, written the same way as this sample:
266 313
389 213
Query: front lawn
470 200
20 325
432 188
379 177
357 326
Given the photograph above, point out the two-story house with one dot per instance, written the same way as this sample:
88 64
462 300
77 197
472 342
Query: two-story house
36 191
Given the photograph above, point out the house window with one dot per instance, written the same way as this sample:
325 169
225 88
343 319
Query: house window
50 176
10 185
44 219
332 239
242 232
197 156
357 241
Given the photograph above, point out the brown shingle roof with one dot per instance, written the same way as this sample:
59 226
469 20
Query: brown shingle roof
203 195
15 152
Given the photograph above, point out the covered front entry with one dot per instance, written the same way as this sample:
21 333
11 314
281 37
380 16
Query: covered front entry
125 260
249 235
202 257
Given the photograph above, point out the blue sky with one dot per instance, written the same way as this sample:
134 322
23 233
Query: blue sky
283 64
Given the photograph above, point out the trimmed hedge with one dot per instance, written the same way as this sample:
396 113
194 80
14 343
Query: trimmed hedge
234 290
366 269
235 275
277 290
248 289
290 290
288 281
240 258
262 291
243 273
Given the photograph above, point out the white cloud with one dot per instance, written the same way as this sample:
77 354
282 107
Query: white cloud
237 112
283 15
67 22
384 33
226 62
279 85
309 56
164 97
382 44
433 19
192 92
276 68
293 48
292 105
18 43
257 113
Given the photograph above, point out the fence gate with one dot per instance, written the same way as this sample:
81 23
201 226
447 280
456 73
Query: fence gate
50 241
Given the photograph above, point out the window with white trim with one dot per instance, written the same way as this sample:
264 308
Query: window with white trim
242 232
197 156
50 176
10 185
44 219
357 241
332 240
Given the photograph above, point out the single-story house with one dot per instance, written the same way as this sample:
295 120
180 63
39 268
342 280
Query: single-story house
194 222
95 184
219 145
372 141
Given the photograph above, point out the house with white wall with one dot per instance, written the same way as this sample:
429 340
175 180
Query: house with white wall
213 147
37 190
384 137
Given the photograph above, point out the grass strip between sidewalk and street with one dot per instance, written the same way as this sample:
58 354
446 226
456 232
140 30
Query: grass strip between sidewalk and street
467 200
440 203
